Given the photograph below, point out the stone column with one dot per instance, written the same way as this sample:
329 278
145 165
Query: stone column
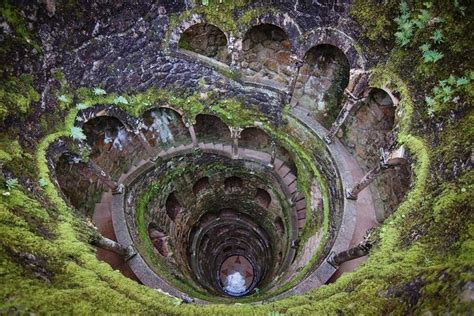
235 49
272 155
366 180
192 132
297 64
387 160
353 94
108 244
235 134
362 249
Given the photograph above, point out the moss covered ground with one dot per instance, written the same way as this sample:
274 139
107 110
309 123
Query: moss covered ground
424 259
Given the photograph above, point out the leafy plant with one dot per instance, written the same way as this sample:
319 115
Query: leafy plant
444 92
11 184
99 91
437 37
63 98
77 133
42 182
120 100
432 56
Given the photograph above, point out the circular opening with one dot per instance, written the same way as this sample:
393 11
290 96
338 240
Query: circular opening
236 275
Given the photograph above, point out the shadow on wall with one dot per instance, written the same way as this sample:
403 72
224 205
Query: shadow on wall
210 128
205 39
321 82
164 128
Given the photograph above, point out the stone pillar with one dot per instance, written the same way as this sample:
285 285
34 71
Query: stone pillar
192 132
235 49
108 244
362 249
235 134
366 180
353 94
387 160
272 155
297 64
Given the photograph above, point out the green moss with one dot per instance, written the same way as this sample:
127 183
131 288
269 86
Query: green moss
16 22
16 96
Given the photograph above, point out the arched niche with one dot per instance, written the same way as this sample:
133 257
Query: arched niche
263 198
78 186
173 206
366 131
159 240
113 147
266 56
207 40
280 228
201 185
233 183
164 128
321 82
210 128
255 138
369 128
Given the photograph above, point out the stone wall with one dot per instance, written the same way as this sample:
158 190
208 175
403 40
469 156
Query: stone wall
321 82
266 55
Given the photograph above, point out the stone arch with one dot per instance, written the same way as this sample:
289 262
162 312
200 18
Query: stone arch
284 21
173 206
210 128
321 81
205 39
263 198
194 19
334 37
201 185
129 122
164 127
266 56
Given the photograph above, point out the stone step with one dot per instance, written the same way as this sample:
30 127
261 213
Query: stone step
301 214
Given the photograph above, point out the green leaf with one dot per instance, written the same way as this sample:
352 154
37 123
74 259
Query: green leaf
63 98
77 133
11 184
120 100
99 91
437 37
461 81
42 182
430 101
452 80
432 56
425 47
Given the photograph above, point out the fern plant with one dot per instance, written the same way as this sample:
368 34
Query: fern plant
77 133
432 56
11 184
99 91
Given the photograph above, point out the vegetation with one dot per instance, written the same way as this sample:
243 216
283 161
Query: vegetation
423 262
